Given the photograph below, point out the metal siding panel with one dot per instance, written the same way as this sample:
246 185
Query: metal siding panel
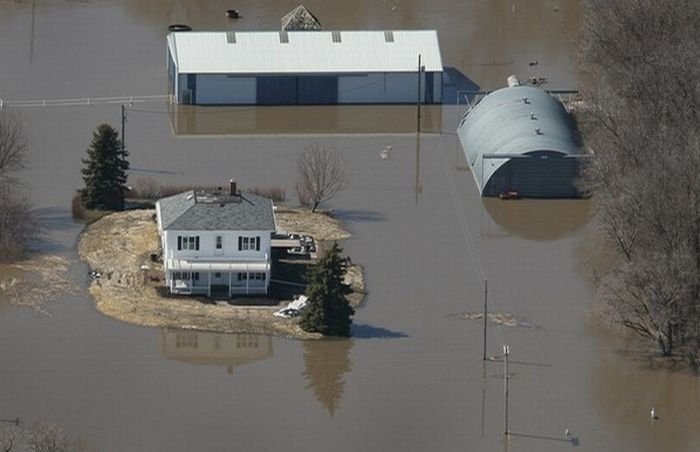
317 90
220 89
276 90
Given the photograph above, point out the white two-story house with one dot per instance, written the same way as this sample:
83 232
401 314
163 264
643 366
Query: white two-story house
216 243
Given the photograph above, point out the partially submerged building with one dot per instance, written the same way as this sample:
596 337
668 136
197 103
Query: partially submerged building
521 141
216 243
300 18
304 67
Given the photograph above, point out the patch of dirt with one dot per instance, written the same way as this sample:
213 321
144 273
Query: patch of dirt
131 287
320 226
34 281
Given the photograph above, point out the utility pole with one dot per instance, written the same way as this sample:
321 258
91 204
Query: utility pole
418 99
123 126
486 312
506 352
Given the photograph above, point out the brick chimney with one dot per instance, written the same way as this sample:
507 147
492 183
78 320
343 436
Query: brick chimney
234 190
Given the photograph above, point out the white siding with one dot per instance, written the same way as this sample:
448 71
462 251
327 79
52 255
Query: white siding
207 245
225 89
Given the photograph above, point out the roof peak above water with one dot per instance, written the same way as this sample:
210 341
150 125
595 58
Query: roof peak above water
300 19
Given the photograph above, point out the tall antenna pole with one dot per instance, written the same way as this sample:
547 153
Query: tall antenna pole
418 99
123 126
506 352
486 312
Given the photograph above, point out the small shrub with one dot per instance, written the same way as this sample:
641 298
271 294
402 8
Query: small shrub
76 207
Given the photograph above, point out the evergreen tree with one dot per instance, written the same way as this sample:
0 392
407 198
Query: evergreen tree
104 171
328 311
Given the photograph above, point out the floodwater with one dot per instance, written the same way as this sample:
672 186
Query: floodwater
412 377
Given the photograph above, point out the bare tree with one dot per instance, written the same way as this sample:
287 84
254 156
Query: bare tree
322 174
17 223
642 119
9 438
13 144
38 437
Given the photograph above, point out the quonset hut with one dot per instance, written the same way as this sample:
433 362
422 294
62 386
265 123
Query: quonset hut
304 67
521 141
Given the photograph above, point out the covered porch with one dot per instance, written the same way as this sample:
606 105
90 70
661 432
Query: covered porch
218 278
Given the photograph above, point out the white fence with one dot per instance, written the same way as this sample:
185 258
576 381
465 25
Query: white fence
83 101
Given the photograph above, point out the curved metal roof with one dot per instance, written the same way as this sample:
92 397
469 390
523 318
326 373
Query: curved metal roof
515 121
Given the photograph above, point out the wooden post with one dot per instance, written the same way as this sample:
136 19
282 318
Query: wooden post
209 283
123 126
418 100
486 312
506 352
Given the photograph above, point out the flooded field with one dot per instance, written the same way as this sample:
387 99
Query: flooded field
411 378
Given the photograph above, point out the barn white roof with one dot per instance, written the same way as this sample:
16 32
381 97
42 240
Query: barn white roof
280 52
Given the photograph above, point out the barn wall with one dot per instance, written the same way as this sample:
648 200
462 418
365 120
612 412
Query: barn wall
225 89
182 96
378 88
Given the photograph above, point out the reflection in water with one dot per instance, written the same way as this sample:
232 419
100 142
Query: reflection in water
325 364
534 219
624 390
230 350
418 187
228 120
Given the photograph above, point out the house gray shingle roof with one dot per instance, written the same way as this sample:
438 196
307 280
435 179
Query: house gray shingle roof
190 211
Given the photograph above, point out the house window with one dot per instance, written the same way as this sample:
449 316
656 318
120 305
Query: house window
186 340
176 275
248 243
217 275
219 242
195 276
188 242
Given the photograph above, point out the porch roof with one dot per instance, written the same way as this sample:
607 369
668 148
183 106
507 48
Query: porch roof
220 265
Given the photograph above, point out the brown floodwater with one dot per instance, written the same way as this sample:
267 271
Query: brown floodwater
412 377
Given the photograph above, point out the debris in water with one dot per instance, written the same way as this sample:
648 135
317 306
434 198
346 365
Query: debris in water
497 318
42 279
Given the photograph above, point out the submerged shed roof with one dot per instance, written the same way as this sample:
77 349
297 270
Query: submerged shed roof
190 211
300 18
304 52
515 121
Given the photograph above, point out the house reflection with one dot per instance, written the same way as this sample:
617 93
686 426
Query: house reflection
214 349
325 364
